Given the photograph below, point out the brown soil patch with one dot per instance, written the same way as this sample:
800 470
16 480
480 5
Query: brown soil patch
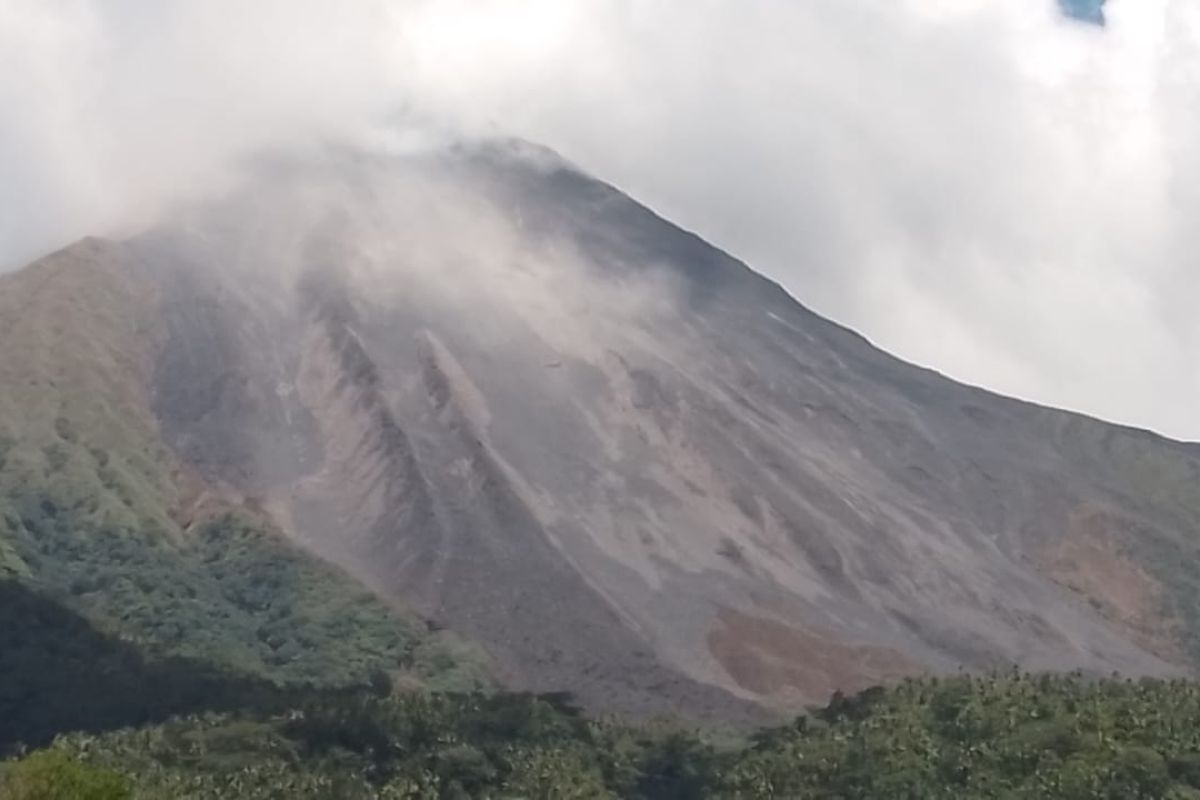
199 502
1092 561
769 657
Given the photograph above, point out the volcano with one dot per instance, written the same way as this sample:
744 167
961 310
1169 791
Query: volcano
509 399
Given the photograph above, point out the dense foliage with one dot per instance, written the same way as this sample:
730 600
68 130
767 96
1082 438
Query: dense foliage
411 745
54 775
1006 736
228 590
113 614
1014 736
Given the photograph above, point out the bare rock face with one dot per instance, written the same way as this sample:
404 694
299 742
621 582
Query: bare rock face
506 395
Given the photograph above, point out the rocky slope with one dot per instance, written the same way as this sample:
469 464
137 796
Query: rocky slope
505 395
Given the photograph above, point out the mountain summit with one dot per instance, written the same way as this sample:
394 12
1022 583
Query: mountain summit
505 396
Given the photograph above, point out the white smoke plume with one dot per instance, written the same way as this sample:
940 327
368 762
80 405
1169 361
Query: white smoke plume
978 185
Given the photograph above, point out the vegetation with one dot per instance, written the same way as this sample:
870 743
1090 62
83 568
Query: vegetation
1005 736
1015 736
229 589
53 775
113 614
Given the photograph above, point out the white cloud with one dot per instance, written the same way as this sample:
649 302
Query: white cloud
978 185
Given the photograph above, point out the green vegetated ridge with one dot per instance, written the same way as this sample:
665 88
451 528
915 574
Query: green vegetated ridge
96 571
230 591
1005 736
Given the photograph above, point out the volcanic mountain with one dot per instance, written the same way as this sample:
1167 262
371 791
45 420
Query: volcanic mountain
513 402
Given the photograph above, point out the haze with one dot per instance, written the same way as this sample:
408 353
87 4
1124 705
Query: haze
987 188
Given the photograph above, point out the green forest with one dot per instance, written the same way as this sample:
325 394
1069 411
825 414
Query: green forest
1000 736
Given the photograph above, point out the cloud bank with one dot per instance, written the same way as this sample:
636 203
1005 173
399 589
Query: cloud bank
982 186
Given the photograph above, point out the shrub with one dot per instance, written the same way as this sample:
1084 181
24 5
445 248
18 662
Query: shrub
53 775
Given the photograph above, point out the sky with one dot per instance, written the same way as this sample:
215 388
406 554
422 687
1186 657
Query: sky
980 186
1086 10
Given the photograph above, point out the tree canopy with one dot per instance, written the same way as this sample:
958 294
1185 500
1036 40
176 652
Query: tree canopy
1004 736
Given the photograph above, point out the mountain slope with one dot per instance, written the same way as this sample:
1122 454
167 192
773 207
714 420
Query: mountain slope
503 394
99 518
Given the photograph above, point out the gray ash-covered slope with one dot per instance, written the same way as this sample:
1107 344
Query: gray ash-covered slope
506 395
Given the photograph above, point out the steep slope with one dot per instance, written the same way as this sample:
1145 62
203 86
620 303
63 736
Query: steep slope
98 517
505 395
